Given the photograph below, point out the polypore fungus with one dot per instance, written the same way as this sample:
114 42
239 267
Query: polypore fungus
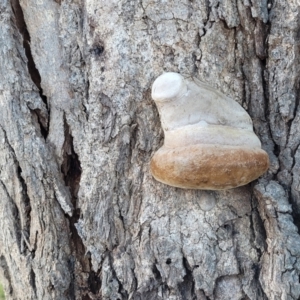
209 140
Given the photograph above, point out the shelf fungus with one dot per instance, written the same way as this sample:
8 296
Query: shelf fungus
209 139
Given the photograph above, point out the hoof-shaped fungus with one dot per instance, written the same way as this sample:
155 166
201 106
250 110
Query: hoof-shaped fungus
209 139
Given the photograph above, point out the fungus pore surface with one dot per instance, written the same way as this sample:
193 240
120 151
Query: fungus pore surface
209 140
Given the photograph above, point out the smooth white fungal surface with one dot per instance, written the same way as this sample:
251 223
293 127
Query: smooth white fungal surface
168 86
194 113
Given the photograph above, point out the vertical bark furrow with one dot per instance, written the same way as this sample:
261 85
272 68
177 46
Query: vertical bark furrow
39 176
14 214
25 207
21 25
280 263
33 282
6 277
32 70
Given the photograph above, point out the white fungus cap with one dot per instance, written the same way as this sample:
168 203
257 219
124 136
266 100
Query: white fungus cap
168 86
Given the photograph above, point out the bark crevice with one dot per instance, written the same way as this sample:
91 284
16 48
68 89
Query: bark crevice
7 276
31 66
33 281
71 170
26 211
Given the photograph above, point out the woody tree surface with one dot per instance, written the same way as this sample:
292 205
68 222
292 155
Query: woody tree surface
80 215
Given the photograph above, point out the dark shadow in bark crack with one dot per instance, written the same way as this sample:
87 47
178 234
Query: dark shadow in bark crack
7 276
186 288
32 70
32 281
71 170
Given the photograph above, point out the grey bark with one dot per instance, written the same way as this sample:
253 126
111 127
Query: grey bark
80 215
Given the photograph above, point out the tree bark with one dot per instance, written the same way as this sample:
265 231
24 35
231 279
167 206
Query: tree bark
80 215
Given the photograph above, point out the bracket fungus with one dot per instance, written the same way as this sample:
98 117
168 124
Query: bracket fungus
209 140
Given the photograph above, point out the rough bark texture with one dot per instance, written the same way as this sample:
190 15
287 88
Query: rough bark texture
80 215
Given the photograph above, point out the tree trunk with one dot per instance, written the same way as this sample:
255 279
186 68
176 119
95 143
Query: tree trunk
80 215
